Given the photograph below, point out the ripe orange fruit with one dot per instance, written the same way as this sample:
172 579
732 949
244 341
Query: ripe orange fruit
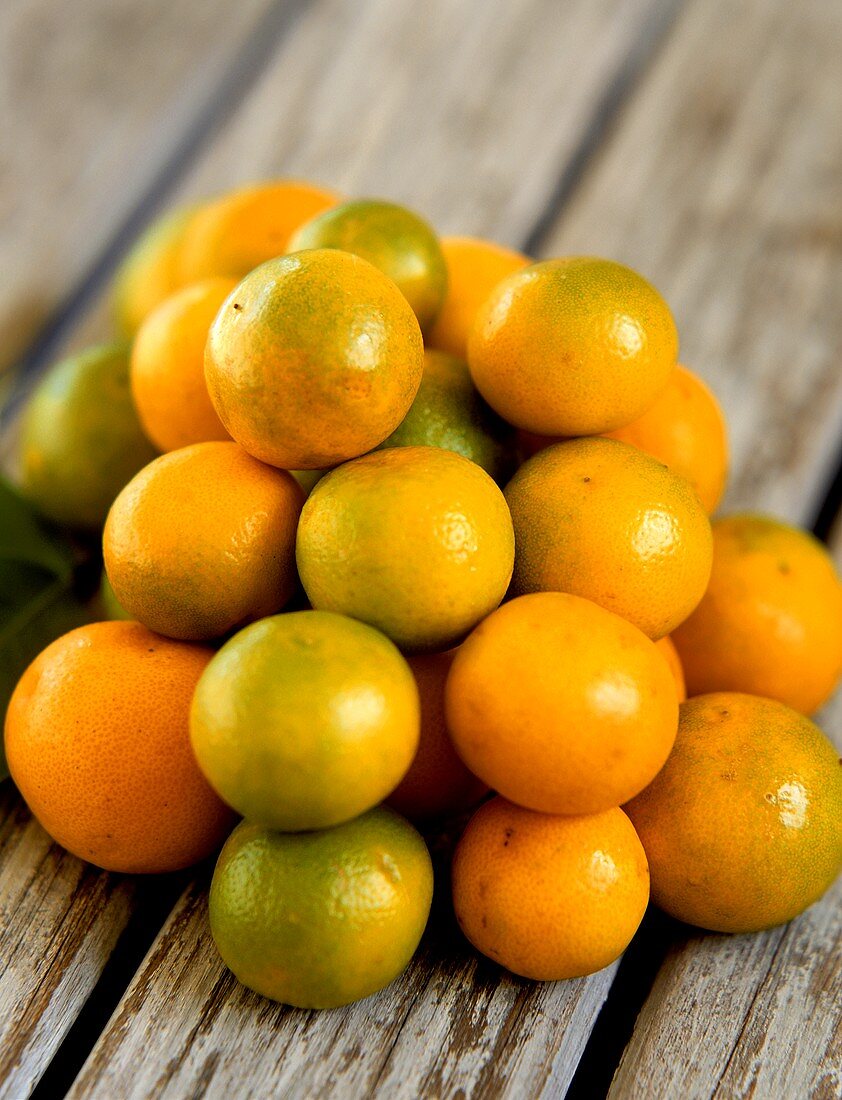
313 359
168 367
602 520
150 273
437 783
448 412
81 439
305 720
97 740
549 897
202 541
396 240
743 826
686 430
570 347
560 705
233 234
670 655
318 920
415 541
770 622
474 268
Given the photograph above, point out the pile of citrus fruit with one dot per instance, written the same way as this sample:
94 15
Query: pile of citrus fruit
428 535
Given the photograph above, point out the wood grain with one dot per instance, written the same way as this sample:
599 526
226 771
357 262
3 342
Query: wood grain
95 101
746 1016
724 186
468 111
213 1036
59 921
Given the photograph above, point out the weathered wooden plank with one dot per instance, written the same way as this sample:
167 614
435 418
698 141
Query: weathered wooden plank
467 141
59 921
372 98
95 100
468 111
744 1016
210 1033
724 186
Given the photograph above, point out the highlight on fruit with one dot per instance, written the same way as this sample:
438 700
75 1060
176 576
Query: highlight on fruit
414 544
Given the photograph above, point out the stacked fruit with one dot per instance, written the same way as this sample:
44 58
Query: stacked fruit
384 631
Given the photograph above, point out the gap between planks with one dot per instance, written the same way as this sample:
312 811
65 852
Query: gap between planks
756 154
234 83
95 101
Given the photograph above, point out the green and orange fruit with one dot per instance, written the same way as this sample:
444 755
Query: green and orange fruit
313 359
305 720
396 240
320 919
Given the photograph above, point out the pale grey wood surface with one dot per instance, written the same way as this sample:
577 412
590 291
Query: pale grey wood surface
94 105
95 102
59 921
747 1016
724 185
720 180
450 1021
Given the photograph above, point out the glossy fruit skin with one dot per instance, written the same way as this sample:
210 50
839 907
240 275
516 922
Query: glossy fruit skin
151 271
770 622
313 359
685 429
416 541
561 706
666 646
233 234
168 367
305 720
449 413
97 740
474 268
743 826
602 520
202 541
437 784
396 240
81 439
322 919
572 347
549 897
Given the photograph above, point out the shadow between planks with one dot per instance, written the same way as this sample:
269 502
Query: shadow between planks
767 345
735 211
98 109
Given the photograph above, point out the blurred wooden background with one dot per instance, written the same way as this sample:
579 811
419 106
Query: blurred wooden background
698 141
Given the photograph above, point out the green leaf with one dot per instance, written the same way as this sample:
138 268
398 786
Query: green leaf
24 542
37 603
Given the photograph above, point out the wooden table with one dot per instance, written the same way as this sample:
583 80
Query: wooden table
699 141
